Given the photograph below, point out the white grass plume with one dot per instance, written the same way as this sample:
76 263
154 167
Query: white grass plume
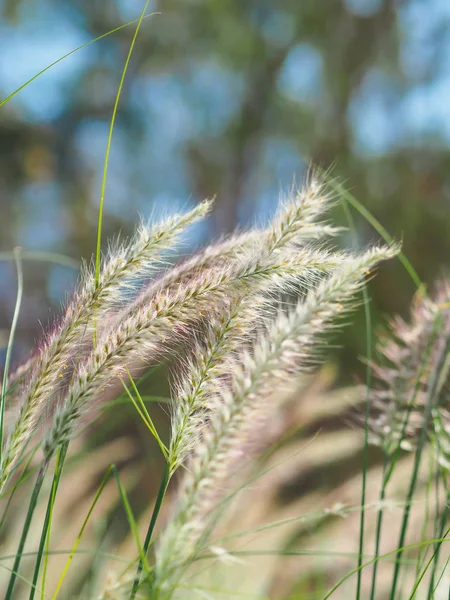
209 362
297 222
414 371
93 298
144 328
275 359
298 219
144 332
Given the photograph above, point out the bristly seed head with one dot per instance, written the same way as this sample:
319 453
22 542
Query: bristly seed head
228 305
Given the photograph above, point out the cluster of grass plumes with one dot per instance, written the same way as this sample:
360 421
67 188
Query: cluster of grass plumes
246 345
409 412
413 380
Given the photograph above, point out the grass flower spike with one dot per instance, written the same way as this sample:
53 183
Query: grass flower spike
91 301
289 347
249 314
416 355
154 317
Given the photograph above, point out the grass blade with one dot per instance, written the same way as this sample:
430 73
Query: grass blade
26 528
44 541
143 413
159 500
108 144
368 216
11 341
53 64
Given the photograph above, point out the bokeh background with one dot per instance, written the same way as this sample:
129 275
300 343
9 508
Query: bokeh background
233 98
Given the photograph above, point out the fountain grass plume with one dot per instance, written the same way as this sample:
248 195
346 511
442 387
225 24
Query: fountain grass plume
143 334
236 410
299 220
410 350
209 362
273 265
300 215
90 302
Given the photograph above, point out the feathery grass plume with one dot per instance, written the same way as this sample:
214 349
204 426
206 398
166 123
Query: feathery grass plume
90 302
289 347
153 317
297 219
208 364
143 333
151 320
412 351
296 223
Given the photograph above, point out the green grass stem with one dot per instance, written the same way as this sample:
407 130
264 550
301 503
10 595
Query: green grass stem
12 334
418 455
26 528
148 538
108 144
44 541
368 321
56 62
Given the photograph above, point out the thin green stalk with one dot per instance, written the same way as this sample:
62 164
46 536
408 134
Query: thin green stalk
159 500
423 552
366 412
12 333
108 145
60 460
24 85
379 526
139 405
44 541
444 570
418 456
131 521
444 519
422 575
368 216
386 555
130 517
26 528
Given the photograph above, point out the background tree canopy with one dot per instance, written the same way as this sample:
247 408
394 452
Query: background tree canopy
231 99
